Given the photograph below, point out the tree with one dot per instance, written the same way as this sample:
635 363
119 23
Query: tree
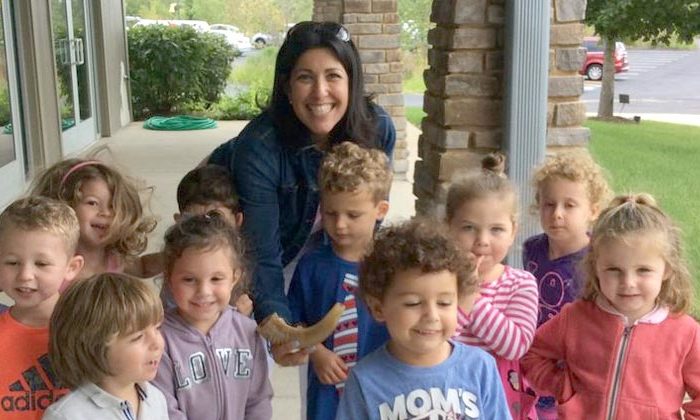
650 20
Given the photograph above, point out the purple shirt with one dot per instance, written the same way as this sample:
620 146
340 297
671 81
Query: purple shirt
558 280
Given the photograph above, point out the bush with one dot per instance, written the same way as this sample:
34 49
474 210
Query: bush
247 105
173 66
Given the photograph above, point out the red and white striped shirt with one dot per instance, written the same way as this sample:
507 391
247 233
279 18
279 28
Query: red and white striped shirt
504 318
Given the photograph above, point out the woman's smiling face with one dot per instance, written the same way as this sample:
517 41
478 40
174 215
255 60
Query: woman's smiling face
319 90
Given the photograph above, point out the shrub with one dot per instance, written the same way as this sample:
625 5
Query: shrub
173 66
245 106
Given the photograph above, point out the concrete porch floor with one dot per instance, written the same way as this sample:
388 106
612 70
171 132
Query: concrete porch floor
161 158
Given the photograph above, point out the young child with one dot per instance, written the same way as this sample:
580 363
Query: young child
482 216
354 183
208 188
411 281
570 191
627 350
113 227
38 237
215 363
105 345
204 190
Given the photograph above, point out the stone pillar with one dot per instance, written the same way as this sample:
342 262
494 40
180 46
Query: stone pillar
565 111
463 101
327 10
375 29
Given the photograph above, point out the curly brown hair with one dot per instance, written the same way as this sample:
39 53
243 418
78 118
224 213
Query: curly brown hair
128 232
489 180
419 243
348 166
579 167
639 214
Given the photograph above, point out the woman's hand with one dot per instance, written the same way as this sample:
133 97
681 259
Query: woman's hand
289 354
329 367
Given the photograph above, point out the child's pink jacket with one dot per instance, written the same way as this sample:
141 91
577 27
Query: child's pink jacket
598 368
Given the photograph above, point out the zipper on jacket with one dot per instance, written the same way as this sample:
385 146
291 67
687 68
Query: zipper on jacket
617 376
215 365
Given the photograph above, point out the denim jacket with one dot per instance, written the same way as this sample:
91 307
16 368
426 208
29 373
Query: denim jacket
278 192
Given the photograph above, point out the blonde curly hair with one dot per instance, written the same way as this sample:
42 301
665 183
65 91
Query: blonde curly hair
578 167
639 214
348 167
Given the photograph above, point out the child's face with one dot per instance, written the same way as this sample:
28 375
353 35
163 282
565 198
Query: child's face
349 218
234 218
33 266
565 210
420 312
95 213
133 358
201 282
630 273
484 227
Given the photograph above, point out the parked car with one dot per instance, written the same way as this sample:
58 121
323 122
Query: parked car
233 36
595 56
261 40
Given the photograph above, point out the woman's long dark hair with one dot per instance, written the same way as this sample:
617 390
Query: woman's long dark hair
359 122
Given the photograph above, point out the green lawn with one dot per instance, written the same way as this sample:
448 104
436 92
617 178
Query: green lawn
660 159
653 157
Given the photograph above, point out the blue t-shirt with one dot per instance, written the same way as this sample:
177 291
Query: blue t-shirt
465 386
316 286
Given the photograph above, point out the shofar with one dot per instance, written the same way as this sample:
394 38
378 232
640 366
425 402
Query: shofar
277 331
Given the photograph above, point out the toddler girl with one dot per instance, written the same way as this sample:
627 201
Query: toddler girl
481 214
627 350
113 227
570 190
215 363
105 345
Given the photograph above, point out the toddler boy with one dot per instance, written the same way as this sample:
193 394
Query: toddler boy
412 281
38 238
354 184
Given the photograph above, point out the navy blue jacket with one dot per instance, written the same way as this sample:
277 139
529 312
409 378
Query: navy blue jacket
278 190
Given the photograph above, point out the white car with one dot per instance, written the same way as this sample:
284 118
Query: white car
233 36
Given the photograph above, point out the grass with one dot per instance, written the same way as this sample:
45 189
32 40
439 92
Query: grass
257 70
658 158
414 115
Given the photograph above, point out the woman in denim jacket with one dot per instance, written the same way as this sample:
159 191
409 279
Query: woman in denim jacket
317 101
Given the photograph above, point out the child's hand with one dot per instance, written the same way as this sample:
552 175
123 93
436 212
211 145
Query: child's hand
244 304
329 367
289 354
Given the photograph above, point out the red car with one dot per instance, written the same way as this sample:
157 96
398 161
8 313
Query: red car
593 66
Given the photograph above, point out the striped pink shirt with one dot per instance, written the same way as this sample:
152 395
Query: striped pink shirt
504 318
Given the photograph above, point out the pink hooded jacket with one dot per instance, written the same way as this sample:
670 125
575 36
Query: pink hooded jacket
600 368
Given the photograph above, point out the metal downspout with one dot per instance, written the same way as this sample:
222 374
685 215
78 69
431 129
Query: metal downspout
525 120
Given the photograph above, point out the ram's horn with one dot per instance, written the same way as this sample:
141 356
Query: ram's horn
278 331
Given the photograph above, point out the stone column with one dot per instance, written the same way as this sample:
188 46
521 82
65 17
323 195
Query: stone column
375 29
463 101
327 10
566 112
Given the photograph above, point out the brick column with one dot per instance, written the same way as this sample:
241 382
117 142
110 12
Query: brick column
463 101
566 112
327 10
375 29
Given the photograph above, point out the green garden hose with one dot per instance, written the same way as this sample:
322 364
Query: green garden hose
179 123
